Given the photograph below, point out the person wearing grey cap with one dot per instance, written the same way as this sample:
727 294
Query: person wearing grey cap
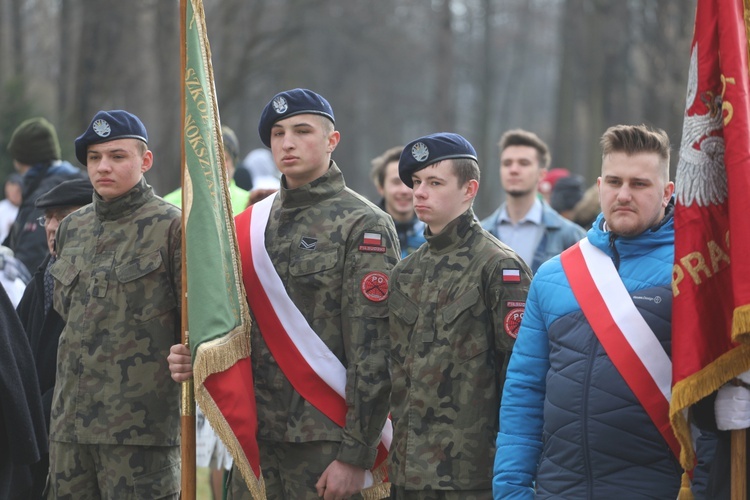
41 322
329 252
455 308
115 424
36 156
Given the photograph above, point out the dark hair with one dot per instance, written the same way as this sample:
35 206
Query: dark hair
465 169
520 137
377 173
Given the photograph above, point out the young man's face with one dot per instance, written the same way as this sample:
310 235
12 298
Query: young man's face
302 147
114 167
438 199
397 195
520 172
633 192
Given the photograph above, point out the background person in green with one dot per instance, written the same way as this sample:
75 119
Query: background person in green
455 307
238 196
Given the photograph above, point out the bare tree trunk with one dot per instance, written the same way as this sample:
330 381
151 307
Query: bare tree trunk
444 88
17 37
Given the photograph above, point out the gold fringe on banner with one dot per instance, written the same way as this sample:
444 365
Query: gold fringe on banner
697 386
741 324
221 354
379 489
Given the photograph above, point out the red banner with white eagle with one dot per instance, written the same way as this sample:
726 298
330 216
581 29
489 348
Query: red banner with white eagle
711 274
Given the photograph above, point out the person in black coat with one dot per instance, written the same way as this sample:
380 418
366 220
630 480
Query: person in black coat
42 323
23 438
35 151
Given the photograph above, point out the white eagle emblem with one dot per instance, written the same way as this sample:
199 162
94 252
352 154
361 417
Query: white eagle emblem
280 105
701 176
101 127
420 152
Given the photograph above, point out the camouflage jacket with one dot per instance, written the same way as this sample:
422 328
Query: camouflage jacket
117 284
315 239
455 309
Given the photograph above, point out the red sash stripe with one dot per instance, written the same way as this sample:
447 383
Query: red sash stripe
300 374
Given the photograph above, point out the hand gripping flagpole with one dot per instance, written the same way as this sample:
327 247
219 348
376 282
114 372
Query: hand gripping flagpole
187 406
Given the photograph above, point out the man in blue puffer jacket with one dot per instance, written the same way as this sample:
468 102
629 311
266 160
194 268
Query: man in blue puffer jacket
570 426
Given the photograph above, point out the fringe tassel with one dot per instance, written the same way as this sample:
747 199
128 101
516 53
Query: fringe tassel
697 386
381 487
213 357
685 492
741 324
382 490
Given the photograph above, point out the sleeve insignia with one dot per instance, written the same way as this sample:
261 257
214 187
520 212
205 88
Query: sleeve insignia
374 286
372 242
512 321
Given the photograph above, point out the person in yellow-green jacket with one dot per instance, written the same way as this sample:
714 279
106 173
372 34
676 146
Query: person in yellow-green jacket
238 196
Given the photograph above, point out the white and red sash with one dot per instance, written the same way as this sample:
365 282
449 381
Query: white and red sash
626 337
307 362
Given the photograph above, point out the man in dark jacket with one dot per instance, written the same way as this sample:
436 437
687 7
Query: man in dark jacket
40 320
36 155
23 437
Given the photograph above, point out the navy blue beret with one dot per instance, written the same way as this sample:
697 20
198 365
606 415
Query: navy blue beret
430 149
72 193
290 103
107 126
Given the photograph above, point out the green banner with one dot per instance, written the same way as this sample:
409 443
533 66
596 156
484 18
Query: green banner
218 316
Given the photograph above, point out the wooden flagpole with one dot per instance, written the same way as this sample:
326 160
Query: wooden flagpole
187 410
739 464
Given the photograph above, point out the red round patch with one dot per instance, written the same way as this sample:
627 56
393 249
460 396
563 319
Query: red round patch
512 321
374 286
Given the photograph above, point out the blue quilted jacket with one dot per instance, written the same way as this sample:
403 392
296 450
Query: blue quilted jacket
569 425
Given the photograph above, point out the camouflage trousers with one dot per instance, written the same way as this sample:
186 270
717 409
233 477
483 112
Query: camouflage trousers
113 472
290 470
400 493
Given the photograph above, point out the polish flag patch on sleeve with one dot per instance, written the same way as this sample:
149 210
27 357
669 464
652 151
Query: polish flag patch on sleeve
373 239
372 242
511 275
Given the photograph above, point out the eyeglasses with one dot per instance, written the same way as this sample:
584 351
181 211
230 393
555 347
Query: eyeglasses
56 215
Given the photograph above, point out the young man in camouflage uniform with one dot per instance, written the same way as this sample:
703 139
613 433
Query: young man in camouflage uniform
455 309
332 251
115 423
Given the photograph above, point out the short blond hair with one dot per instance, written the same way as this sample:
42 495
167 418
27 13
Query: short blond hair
634 139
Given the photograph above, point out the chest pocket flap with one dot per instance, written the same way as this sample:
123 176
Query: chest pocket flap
147 286
403 307
138 268
314 262
64 272
465 301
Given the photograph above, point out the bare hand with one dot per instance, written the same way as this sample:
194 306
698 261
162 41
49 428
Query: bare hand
340 481
179 363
